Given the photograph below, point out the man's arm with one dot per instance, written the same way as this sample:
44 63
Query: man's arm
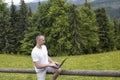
39 66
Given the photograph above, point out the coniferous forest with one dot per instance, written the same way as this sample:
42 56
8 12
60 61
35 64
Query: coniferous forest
68 29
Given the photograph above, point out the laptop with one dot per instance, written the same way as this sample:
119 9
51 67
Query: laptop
59 65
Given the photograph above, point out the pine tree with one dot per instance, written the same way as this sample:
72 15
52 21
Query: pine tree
12 37
36 26
4 26
29 40
23 17
88 29
58 27
74 30
117 33
106 31
40 17
22 23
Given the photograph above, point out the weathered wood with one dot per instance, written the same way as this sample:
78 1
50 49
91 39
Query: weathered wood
16 70
100 73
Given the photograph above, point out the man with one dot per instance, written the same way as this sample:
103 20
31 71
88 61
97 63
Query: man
42 62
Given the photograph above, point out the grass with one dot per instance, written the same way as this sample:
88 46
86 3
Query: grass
103 61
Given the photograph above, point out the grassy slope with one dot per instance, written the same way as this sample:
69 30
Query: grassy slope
104 61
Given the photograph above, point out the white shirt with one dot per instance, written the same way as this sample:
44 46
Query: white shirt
41 55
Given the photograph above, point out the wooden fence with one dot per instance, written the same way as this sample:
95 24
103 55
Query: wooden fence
100 73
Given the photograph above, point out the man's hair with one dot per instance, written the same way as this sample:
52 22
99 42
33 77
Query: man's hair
37 37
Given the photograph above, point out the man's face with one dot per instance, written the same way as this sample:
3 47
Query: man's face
41 40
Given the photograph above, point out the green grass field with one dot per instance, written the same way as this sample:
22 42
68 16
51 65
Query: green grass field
103 61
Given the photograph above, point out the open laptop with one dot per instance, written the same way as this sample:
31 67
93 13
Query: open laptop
59 65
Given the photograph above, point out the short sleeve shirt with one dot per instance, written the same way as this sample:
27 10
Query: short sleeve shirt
41 55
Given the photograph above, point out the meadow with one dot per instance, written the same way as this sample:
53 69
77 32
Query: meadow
101 61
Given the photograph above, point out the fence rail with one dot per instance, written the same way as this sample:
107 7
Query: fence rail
100 73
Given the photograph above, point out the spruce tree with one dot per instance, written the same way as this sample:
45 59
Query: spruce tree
74 22
58 27
106 31
29 40
4 27
36 26
117 33
23 22
12 37
88 29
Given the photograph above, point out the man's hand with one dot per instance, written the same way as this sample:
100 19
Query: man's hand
53 65
56 63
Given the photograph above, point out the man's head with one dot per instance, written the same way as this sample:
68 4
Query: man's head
40 40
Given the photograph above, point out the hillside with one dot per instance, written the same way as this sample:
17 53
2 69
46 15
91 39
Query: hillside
112 7
77 2
34 5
